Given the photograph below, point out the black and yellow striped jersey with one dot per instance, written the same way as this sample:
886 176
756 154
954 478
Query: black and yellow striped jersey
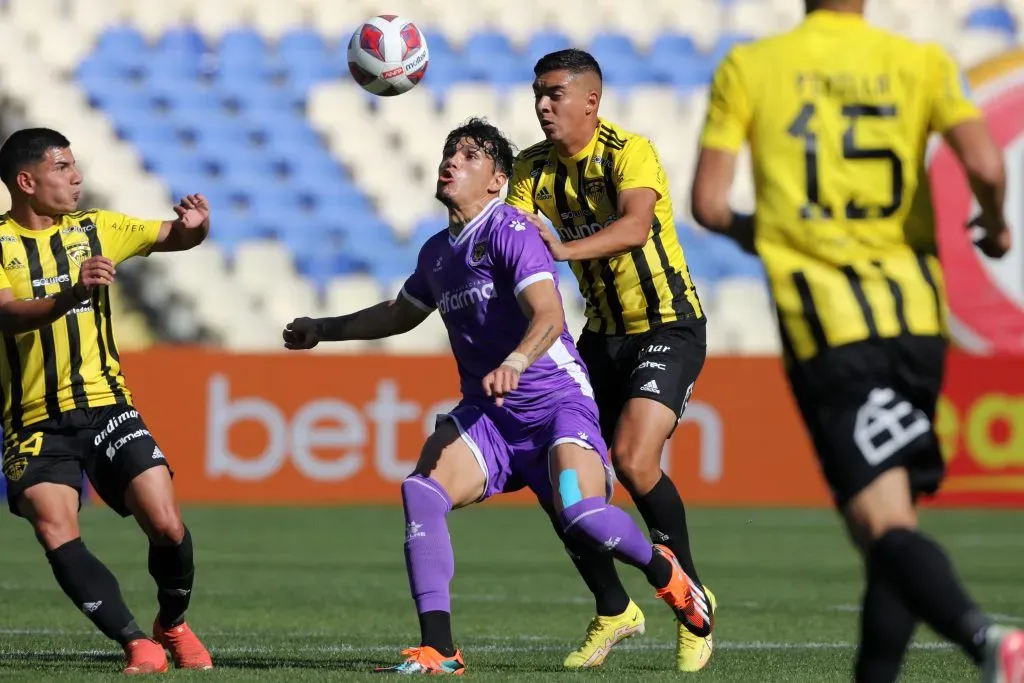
72 363
632 292
838 116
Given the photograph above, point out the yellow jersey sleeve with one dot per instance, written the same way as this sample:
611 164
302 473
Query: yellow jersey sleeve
729 112
520 186
951 93
5 282
124 236
638 165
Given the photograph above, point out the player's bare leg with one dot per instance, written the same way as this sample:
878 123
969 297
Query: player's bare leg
581 499
920 573
640 436
52 509
150 498
447 476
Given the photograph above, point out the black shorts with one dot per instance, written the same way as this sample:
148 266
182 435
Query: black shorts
110 444
661 364
869 407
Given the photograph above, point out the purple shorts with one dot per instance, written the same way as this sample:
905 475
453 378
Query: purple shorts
513 452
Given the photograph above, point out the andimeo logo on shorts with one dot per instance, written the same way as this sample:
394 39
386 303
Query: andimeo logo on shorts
113 424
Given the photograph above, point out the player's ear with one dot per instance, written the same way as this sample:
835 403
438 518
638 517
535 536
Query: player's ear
498 181
25 182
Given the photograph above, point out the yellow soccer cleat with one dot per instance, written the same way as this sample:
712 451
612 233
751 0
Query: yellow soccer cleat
603 634
693 652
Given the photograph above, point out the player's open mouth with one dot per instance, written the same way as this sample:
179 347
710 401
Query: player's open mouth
445 178
545 124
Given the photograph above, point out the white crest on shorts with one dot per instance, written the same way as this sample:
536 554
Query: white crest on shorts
885 424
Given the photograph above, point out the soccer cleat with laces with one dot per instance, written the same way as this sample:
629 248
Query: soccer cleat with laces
603 634
693 652
187 650
685 598
427 660
1004 656
144 657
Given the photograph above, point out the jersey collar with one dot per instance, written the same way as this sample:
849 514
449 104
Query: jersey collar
589 149
27 232
831 17
473 224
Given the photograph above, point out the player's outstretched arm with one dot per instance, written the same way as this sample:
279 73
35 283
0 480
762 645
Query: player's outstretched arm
983 162
385 319
709 198
17 316
189 229
542 305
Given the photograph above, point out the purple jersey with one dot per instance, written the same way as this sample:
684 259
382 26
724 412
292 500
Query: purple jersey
473 280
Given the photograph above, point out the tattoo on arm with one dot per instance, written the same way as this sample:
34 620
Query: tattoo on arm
541 345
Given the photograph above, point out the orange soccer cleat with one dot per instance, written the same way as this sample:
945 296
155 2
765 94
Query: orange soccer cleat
144 657
427 660
685 598
186 649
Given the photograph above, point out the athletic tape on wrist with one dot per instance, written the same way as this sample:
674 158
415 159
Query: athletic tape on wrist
517 361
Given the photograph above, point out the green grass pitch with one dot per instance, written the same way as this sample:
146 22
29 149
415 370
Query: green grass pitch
321 594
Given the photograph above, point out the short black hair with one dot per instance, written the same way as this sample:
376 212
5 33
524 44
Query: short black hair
492 141
27 146
572 60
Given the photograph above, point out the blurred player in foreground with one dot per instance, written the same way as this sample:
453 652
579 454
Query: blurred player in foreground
66 407
527 417
838 115
606 194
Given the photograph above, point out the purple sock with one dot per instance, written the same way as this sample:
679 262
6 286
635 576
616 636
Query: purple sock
429 557
608 527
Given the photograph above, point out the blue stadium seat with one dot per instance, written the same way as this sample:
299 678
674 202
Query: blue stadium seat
181 40
164 68
444 71
187 96
437 44
97 73
544 43
620 63
427 227
144 131
485 51
220 133
242 42
301 46
675 59
261 98
295 139
302 76
122 42
245 168
993 18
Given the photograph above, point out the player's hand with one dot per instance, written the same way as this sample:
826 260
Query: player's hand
96 271
559 251
301 333
193 211
500 383
995 239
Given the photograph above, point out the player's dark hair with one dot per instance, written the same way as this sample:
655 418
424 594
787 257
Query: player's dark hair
491 140
27 146
572 60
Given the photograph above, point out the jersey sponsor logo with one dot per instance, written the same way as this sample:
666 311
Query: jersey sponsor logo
650 364
14 264
578 232
543 194
655 348
78 253
985 296
886 424
55 280
8 238
468 296
113 423
88 227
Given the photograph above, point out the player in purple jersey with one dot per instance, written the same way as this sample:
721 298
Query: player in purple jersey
527 416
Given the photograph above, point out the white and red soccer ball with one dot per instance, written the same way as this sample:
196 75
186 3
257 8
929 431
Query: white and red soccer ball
388 55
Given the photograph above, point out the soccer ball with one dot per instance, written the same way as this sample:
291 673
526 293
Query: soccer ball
387 55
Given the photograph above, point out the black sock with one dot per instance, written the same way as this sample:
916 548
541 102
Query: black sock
172 567
924 577
886 627
94 590
658 571
665 516
598 571
436 632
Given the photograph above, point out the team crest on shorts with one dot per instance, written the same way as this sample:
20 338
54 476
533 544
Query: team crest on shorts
78 253
479 251
594 188
14 469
